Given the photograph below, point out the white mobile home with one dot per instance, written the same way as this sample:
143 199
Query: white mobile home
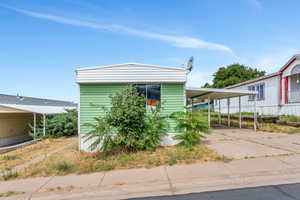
277 93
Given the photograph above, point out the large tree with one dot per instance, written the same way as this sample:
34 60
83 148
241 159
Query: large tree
233 74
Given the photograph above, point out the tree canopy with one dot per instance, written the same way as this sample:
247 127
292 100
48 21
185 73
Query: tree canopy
233 74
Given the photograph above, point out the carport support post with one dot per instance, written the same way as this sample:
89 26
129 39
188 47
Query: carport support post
255 116
228 111
219 114
192 104
240 113
208 111
34 125
44 124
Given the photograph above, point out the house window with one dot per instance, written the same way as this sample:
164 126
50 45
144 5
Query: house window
260 89
151 93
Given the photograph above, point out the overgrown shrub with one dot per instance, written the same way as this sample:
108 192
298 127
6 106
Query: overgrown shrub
156 127
126 125
60 125
191 127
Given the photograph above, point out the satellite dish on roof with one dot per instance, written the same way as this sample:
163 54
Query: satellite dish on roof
189 65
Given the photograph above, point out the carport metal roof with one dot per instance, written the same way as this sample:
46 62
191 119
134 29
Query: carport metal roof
211 93
45 110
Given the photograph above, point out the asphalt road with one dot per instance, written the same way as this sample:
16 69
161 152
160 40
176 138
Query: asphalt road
277 192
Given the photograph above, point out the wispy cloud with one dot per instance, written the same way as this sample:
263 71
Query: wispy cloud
270 61
177 41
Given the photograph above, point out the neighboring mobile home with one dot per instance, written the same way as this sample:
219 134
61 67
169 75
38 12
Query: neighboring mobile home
159 84
17 112
278 93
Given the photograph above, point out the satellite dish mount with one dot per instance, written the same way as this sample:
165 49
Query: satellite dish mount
190 64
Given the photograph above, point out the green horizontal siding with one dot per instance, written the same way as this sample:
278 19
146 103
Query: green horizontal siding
93 96
172 100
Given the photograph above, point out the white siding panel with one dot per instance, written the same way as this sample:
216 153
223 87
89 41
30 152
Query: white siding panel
131 73
269 105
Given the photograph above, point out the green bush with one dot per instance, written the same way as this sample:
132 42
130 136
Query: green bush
191 127
156 127
126 125
60 125
39 131
291 118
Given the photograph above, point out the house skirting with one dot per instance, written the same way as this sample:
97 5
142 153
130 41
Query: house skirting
14 140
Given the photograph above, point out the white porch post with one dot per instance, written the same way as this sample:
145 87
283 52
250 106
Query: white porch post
192 104
228 111
34 125
255 115
208 111
240 113
44 124
219 114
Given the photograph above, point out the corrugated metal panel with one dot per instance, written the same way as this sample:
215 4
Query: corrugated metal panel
131 73
92 96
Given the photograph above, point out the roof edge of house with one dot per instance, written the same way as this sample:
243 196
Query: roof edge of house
254 80
286 65
129 63
42 101
290 61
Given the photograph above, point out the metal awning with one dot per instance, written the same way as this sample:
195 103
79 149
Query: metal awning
205 93
45 110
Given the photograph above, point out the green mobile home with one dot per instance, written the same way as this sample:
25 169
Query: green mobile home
159 84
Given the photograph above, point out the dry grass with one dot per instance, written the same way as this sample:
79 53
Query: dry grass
10 193
70 161
267 127
22 155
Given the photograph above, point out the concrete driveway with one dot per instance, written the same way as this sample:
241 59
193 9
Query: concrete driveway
245 143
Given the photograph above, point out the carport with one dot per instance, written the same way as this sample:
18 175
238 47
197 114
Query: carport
35 110
210 94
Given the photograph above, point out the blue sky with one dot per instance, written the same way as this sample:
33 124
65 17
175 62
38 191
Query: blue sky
43 42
